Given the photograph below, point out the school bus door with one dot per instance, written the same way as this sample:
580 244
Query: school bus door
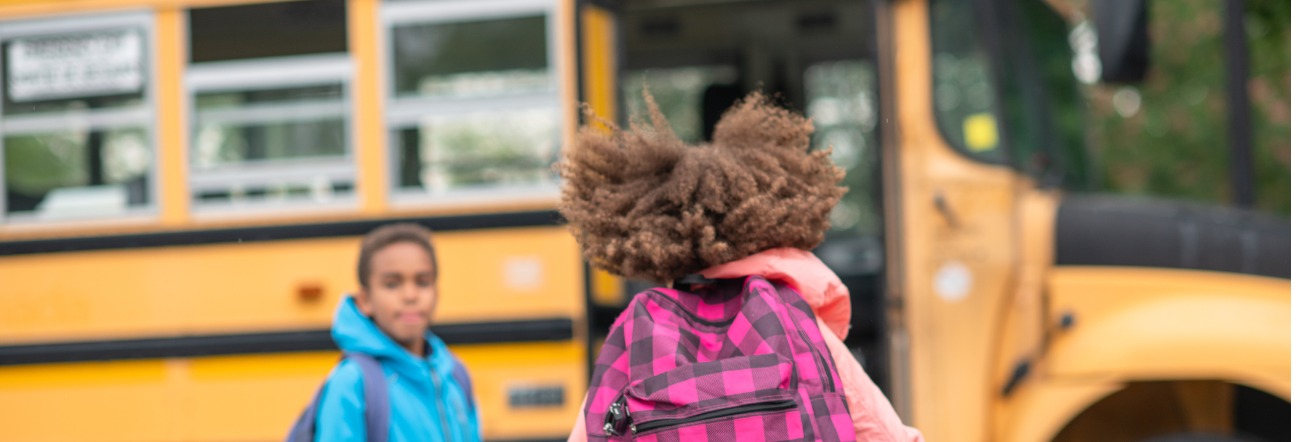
950 208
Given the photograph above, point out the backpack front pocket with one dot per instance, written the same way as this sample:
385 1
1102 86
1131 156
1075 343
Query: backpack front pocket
770 420
747 395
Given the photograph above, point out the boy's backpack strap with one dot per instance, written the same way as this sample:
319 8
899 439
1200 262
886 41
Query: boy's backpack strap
461 376
375 400
376 396
304 429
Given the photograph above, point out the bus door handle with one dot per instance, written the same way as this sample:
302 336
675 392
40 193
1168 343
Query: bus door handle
945 209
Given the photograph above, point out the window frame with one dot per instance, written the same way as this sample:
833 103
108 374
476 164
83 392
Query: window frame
266 74
142 116
402 113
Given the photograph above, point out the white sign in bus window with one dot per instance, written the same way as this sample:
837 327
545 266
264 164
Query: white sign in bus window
75 65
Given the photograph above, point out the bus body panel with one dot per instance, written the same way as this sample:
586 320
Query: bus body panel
257 397
1144 324
1131 326
484 275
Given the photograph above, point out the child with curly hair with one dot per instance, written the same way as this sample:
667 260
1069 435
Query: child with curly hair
753 202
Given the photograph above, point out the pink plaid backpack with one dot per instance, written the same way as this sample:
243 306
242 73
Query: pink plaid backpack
741 360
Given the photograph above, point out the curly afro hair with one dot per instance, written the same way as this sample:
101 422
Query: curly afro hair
645 205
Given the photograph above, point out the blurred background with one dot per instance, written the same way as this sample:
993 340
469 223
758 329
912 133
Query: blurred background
1066 219
1179 113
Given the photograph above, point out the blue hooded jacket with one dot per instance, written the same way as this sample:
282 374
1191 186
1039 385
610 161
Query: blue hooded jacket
426 402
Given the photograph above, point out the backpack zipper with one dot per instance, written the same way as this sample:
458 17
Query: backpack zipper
687 313
616 418
822 366
821 363
733 411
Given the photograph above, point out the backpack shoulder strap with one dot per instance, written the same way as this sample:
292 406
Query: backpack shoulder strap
304 429
376 396
461 376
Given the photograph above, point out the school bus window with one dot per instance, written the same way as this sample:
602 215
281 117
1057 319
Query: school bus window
246 126
270 124
1050 81
76 130
964 95
475 104
681 94
447 152
476 58
843 106
267 30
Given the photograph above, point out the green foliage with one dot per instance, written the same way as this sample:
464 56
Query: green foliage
1176 145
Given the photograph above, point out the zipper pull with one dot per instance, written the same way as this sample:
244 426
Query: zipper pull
617 419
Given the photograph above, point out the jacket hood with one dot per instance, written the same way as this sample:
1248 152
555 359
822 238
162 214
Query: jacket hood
800 269
355 332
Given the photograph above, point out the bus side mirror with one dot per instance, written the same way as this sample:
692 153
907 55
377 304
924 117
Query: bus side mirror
1123 44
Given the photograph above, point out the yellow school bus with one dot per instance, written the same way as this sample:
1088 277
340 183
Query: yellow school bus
185 182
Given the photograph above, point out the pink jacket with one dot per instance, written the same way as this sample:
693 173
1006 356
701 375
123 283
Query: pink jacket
874 419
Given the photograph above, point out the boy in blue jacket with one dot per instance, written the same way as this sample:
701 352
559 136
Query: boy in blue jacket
388 319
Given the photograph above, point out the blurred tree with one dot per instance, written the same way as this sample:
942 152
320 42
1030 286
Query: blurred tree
1168 135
